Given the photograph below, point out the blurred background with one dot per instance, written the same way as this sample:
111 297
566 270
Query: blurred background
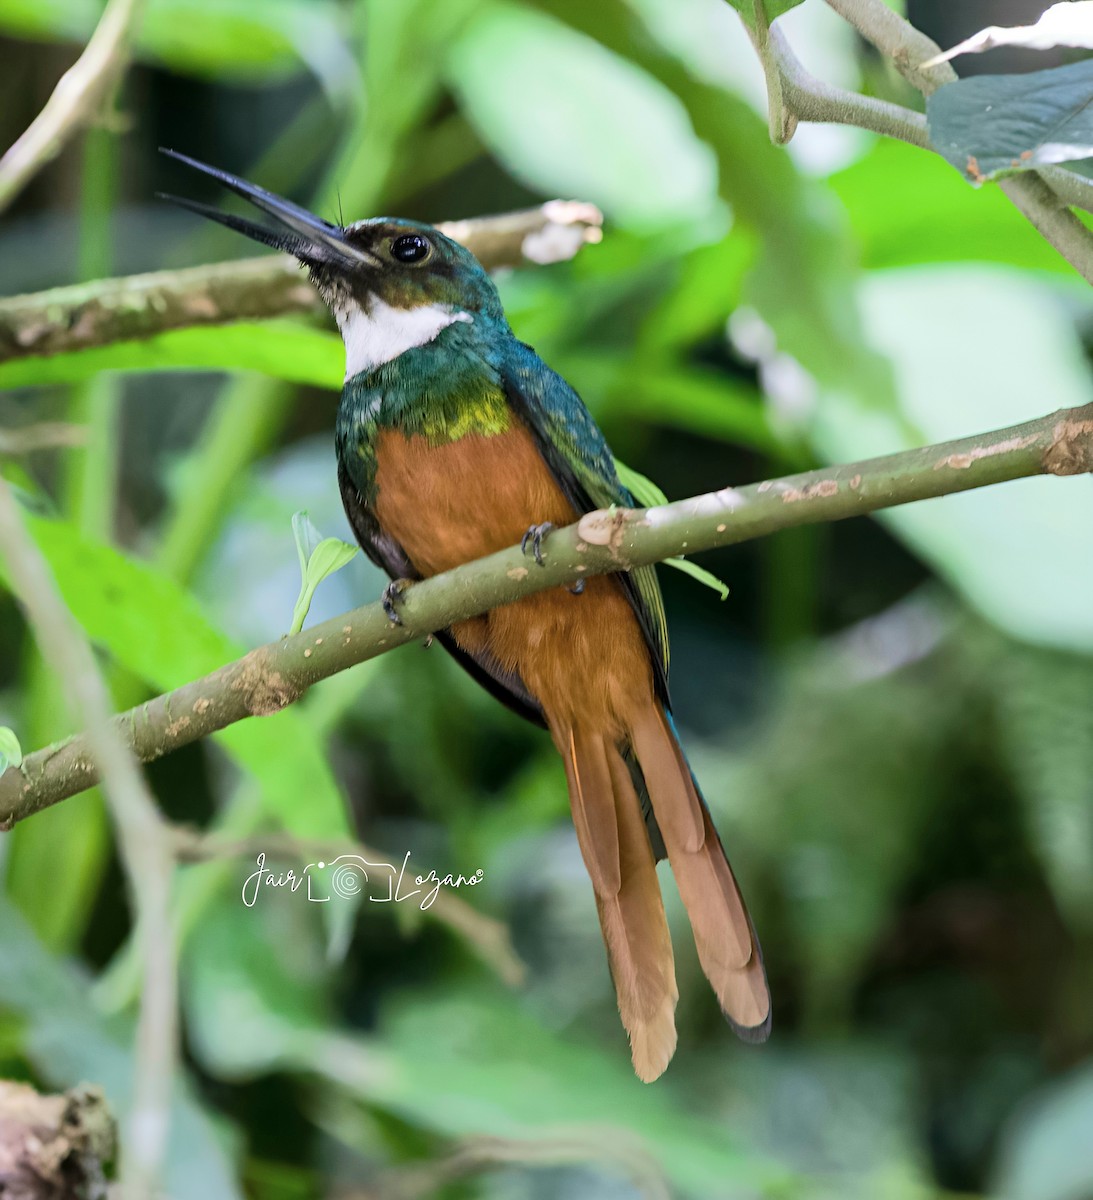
892 718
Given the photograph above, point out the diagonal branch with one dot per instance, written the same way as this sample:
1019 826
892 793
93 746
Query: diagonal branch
44 435
142 839
135 306
273 676
76 100
897 39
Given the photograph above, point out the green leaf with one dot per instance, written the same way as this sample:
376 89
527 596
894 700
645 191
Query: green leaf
11 753
853 848
907 207
990 125
640 486
802 280
1044 706
514 1076
1045 1152
159 632
319 558
647 494
974 348
700 574
281 349
404 57
330 555
256 954
569 117
244 39
66 20
307 537
771 9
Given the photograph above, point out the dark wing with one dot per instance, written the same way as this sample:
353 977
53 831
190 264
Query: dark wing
579 458
386 553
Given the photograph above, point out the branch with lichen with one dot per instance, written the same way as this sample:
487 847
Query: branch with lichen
273 676
104 311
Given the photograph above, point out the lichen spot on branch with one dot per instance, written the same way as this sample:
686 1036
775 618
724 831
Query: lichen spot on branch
1071 449
819 490
265 691
604 527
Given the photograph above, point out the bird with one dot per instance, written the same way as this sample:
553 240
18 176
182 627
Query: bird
455 439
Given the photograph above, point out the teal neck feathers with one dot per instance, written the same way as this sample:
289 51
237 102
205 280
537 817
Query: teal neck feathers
444 390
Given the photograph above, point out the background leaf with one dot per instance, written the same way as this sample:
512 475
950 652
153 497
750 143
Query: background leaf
771 8
243 39
280 349
71 1044
160 634
570 117
993 124
11 753
1013 550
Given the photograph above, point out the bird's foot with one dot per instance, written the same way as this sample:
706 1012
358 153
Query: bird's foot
534 537
577 588
392 598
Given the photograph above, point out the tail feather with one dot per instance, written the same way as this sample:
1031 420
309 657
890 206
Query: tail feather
590 792
727 947
616 849
745 1000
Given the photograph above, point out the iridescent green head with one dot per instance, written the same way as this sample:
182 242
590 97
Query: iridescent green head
407 265
391 284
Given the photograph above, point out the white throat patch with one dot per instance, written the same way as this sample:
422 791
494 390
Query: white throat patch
376 337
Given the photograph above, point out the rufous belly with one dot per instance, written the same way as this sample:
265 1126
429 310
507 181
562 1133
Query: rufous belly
582 656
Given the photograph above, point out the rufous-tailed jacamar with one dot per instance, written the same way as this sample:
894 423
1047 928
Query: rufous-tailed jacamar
454 440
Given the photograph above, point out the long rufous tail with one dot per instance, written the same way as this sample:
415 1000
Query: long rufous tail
619 856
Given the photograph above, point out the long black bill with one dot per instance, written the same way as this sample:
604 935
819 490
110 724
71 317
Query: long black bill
298 231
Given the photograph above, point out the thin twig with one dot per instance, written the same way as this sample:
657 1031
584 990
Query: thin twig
1047 212
782 117
44 435
909 49
489 938
76 100
142 839
273 676
611 1148
1069 186
897 39
136 306
813 100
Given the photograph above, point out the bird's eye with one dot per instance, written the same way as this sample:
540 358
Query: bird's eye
411 248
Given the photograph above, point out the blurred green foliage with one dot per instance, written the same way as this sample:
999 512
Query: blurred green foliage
893 720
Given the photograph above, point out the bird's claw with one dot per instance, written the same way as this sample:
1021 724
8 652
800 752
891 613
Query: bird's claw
577 588
392 598
535 536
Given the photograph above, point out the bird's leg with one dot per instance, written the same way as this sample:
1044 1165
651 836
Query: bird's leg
535 536
392 598
577 588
